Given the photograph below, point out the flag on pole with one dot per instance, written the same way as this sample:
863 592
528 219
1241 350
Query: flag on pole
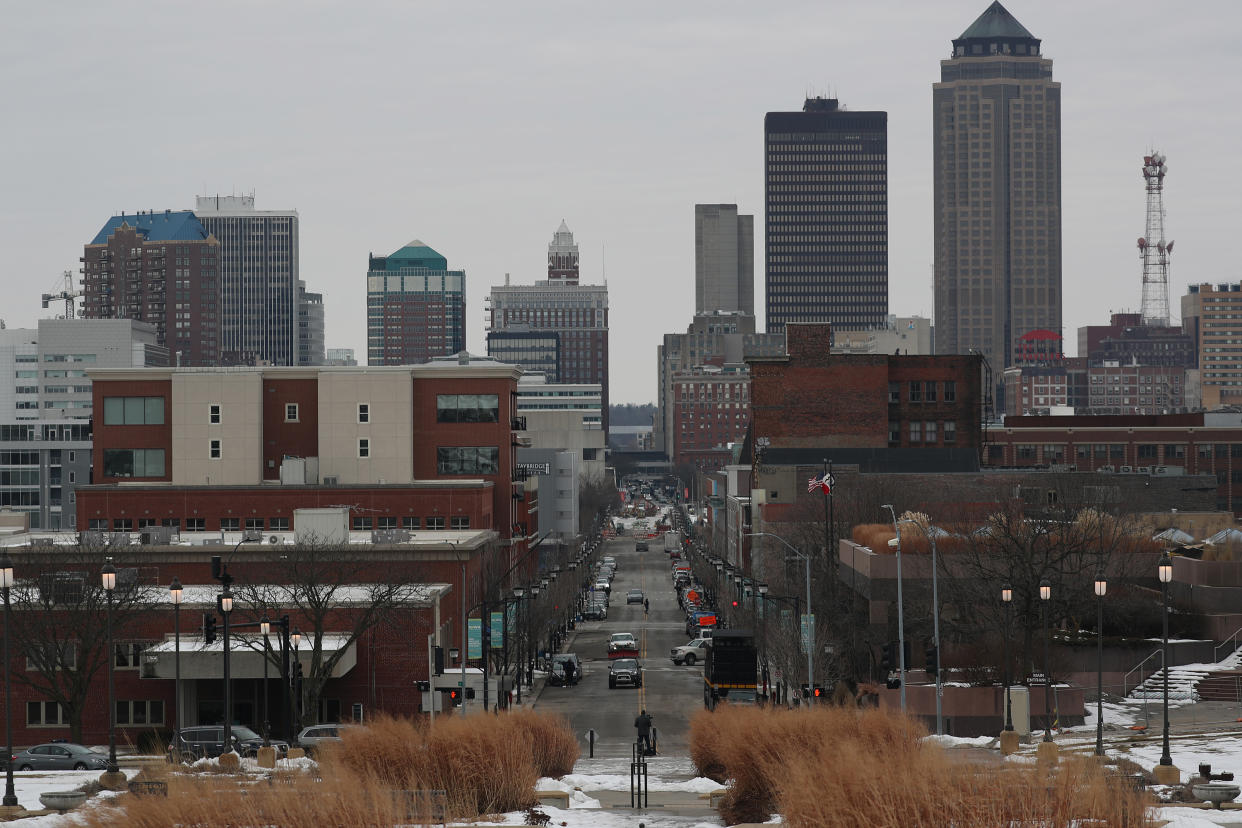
812 484
824 483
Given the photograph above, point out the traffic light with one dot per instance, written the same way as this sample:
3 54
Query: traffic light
893 683
818 691
886 657
735 602
469 692
454 698
423 686
439 661
804 692
932 658
209 628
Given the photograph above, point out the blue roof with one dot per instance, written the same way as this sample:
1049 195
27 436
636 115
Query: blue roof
182 225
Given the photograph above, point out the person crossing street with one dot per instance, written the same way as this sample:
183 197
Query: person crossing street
643 725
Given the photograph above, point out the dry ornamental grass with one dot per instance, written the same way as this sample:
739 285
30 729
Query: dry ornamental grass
871 769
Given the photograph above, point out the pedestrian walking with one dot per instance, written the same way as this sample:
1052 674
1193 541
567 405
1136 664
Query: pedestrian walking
643 725
646 605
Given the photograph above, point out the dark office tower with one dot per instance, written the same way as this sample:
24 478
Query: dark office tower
416 307
258 279
162 268
996 121
826 181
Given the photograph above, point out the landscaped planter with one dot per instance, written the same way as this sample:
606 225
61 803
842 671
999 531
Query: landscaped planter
65 800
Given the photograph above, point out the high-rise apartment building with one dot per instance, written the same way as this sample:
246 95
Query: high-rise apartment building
1212 315
258 279
996 131
416 307
162 268
578 313
724 260
826 198
310 327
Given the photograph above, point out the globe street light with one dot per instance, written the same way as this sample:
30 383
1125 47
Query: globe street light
1045 593
175 592
225 600
6 583
107 577
1165 570
1007 599
1101 587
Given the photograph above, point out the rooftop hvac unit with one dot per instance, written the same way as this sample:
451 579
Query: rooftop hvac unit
1142 470
1126 469
1107 469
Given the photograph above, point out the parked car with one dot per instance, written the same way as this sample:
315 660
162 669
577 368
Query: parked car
694 622
622 645
602 585
557 676
312 737
208 740
59 756
624 671
691 652
610 562
595 611
634 596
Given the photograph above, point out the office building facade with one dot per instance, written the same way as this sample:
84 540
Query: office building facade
416 307
996 130
826 198
724 260
310 327
258 279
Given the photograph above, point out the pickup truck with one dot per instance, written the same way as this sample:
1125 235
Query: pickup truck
691 652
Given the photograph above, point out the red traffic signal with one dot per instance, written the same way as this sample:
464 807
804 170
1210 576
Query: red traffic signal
819 691
735 603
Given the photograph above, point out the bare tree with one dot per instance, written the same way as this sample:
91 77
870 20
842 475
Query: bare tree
331 590
597 495
60 622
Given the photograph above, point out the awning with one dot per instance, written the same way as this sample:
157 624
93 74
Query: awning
206 661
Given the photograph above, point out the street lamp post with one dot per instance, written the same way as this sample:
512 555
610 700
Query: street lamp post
809 620
762 591
1165 570
1007 598
225 601
295 690
265 627
175 592
517 641
901 622
530 635
108 581
1101 587
1045 593
931 539
6 583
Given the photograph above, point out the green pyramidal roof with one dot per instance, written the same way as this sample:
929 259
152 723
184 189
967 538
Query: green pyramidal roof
417 254
995 22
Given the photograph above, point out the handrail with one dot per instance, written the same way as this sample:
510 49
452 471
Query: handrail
1231 639
1125 680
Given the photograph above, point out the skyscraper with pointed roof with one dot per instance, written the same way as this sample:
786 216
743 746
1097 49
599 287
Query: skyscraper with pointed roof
563 256
997 168
416 307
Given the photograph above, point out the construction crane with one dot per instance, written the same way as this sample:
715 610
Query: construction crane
1153 249
67 294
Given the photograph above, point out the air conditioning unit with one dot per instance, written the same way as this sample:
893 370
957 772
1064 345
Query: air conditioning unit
1107 469
331 480
1142 470
1126 469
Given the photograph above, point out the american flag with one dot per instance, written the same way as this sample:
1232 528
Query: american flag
824 483
813 484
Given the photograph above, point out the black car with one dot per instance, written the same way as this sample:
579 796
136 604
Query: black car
59 756
624 672
208 741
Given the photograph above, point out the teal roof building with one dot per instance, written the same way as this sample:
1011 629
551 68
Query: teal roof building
416 307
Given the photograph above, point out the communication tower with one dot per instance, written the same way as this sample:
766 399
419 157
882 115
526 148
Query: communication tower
1153 249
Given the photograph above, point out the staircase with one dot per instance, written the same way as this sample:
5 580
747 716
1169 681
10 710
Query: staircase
1197 682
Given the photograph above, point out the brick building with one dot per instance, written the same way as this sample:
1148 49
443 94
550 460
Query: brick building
416 307
711 408
162 268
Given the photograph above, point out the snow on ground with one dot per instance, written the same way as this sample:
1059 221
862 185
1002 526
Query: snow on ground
29 784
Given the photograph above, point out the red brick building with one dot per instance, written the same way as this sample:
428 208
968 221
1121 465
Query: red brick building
711 408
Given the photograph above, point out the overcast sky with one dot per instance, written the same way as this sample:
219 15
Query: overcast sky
477 126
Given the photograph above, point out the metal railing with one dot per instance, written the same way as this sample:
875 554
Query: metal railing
1126 687
1233 639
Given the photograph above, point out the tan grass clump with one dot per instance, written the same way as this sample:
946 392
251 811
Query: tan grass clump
485 765
851 768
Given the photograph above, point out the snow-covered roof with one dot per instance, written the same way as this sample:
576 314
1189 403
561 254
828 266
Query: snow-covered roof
427 538
204 595
1174 535
243 640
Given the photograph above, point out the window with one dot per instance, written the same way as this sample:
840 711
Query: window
435 523
128 654
254 524
1174 451
916 432
929 391
278 524
460 522
45 714
364 412
386 522
291 412
122 525
950 431
363 524
140 712
214 450
894 392
213 414
98 524
996 454
467 460
916 391
195 525
364 447
929 431
133 410
228 524
894 431
950 391
1117 451
1146 451
467 408
1026 452
410 522
49 656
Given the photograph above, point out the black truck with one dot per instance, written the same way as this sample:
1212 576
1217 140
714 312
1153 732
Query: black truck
730 669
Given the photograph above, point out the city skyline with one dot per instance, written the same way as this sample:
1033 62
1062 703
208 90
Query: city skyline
651 110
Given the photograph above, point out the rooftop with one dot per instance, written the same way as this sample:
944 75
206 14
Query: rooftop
996 22
182 225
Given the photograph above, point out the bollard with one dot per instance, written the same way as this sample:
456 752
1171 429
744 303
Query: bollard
591 739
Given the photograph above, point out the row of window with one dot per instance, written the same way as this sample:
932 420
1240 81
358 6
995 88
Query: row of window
135 713
925 431
272 524
924 391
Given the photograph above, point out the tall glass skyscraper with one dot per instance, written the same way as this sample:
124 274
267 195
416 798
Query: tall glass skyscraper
826 197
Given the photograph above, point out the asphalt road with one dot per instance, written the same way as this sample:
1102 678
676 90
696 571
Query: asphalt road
671 694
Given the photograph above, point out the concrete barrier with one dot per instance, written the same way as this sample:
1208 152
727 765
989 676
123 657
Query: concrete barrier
559 799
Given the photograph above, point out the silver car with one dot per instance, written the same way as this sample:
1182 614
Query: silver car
312 737
59 756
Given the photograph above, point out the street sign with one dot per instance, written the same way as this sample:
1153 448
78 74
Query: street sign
692 595
777 676
474 638
808 632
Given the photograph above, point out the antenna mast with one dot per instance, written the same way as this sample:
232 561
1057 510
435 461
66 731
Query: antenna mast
1152 248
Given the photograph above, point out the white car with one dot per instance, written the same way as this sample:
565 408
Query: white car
621 643
692 652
